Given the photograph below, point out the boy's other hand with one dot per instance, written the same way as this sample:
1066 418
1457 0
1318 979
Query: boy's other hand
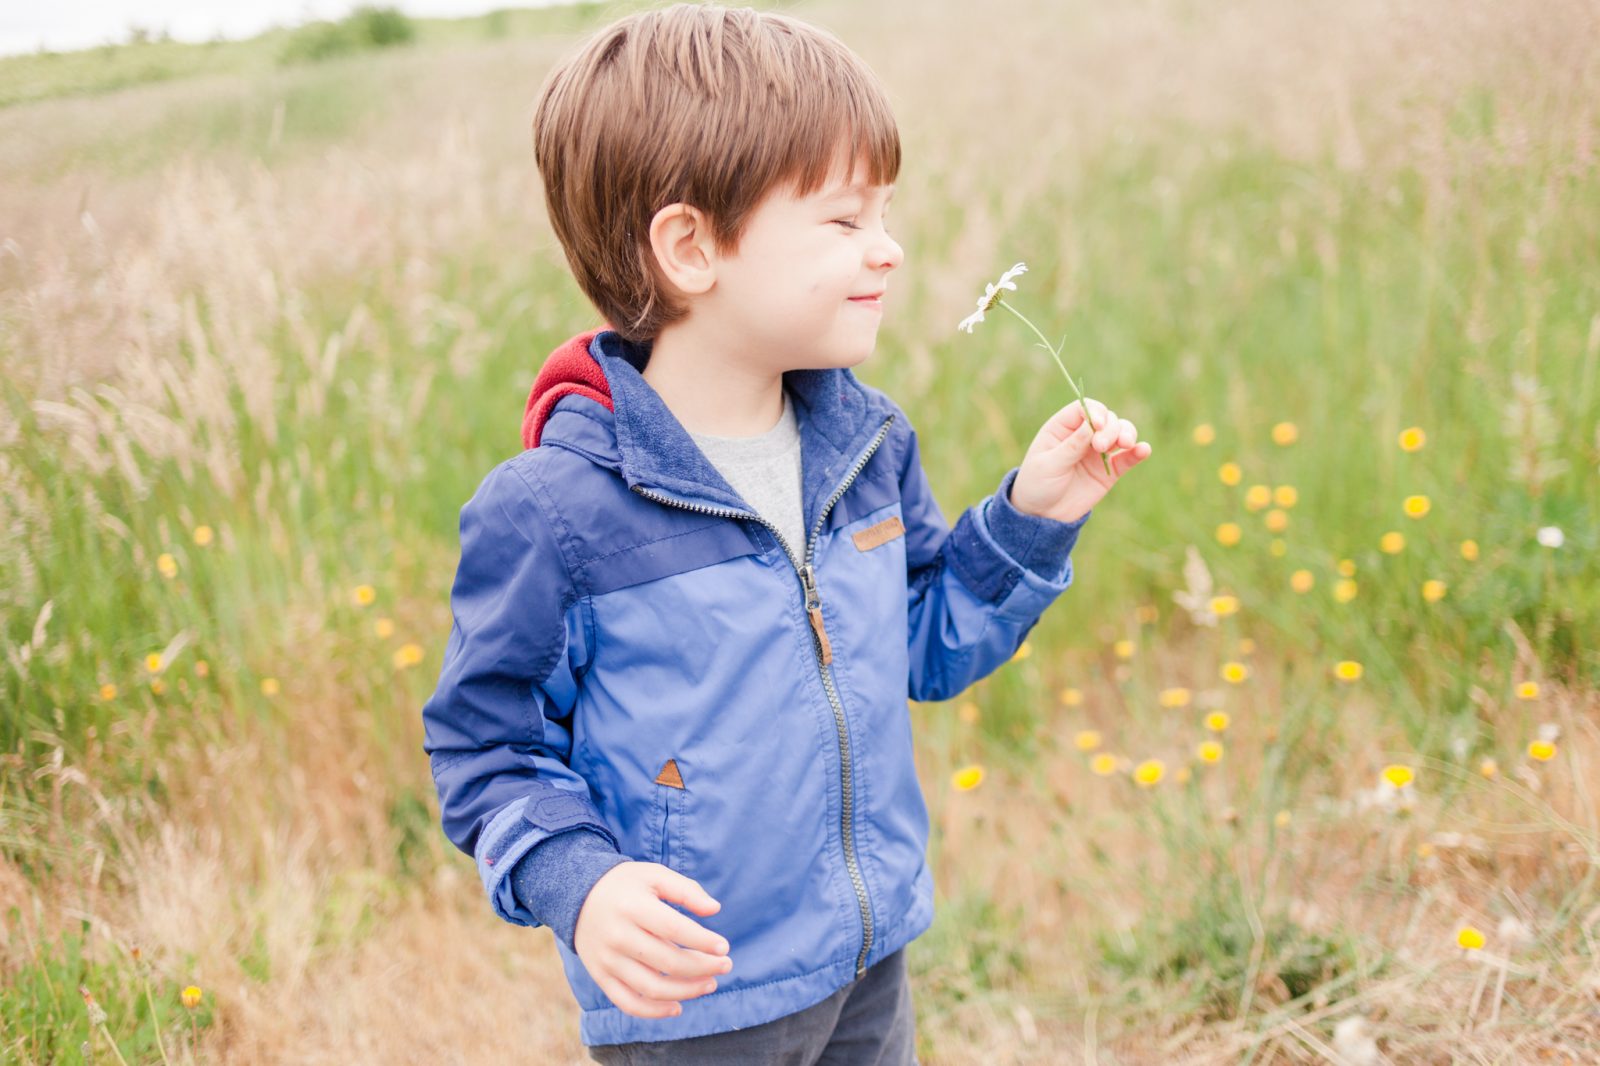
1062 476
628 939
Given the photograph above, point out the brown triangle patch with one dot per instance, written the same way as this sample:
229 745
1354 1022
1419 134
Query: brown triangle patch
669 774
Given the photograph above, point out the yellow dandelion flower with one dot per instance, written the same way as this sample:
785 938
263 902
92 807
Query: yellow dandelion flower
1174 697
1209 751
203 535
1528 690
968 712
1424 850
1286 496
202 668
1071 697
1276 520
1470 938
1278 548
1282 819
108 691
1087 739
1412 438
1234 672
1399 775
1433 590
1217 721
1024 650
1347 670
967 778
1417 506
1347 568
1302 580
1285 434
152 662
1392 542
1225 605
1104 764
1229 473
1204 434
1147 614
1257 496
1469 550
1488 768
1228 534
1542 750
384 628
157 685
1123 649
1246 646
1344 590
364 595
191 997
167 565
407 655
1149 773
269 686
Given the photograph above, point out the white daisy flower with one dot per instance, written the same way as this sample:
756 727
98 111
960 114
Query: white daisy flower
1551 536
991 296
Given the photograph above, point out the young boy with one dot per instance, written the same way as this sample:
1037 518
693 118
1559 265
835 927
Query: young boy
689 616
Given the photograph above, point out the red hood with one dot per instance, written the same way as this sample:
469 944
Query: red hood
569 369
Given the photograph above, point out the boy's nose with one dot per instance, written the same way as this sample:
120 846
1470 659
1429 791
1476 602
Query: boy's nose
888 253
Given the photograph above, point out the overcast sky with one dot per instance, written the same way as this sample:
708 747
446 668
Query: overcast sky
68 24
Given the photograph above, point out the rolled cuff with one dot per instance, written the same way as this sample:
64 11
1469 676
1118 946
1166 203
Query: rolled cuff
1035 543
552 881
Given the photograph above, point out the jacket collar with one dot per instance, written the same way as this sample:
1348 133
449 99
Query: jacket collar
622 423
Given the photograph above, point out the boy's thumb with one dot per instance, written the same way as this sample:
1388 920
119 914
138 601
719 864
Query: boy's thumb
673 886
1074 444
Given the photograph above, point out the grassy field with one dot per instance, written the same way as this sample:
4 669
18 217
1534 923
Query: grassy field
1302 769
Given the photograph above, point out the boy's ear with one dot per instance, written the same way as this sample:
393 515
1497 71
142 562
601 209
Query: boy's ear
681 240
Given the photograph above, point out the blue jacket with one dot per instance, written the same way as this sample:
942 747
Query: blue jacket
638 654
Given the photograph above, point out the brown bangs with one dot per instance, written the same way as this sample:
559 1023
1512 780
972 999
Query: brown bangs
704 105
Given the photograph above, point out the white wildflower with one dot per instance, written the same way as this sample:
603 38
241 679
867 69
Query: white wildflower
1515 933
1549 732
1551 536
991 296
1352 1039
1196 597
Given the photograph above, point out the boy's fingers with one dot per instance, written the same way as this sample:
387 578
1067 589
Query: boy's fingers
677 928
650 985
669 884
668 958
633 1003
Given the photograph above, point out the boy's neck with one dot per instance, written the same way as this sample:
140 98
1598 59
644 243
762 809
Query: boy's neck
713 389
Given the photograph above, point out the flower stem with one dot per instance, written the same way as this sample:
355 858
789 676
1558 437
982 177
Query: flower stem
156 1020
1057 357
113 1042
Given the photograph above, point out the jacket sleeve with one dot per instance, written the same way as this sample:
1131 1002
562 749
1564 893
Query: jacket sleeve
975 590
498 727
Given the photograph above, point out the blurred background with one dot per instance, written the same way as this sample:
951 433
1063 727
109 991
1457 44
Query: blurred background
1303 767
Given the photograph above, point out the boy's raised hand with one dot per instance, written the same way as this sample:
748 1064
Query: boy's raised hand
628 939
1062 476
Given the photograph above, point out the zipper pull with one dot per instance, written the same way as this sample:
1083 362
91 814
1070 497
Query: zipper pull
808 579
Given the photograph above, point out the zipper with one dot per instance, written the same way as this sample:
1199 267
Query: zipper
824 651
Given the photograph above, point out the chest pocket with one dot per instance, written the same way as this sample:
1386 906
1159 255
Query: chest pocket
879 533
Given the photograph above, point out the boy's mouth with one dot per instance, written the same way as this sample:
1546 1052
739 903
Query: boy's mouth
870 300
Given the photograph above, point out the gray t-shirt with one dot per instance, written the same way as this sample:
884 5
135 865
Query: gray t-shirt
765 471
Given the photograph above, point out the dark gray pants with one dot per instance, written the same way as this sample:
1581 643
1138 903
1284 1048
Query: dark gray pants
868 1022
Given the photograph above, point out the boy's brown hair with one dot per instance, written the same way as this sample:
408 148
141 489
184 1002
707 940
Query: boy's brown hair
699 104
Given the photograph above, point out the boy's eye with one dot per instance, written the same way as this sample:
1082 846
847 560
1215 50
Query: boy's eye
846 223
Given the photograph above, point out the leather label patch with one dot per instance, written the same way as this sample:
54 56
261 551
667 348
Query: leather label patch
882 533
669 774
